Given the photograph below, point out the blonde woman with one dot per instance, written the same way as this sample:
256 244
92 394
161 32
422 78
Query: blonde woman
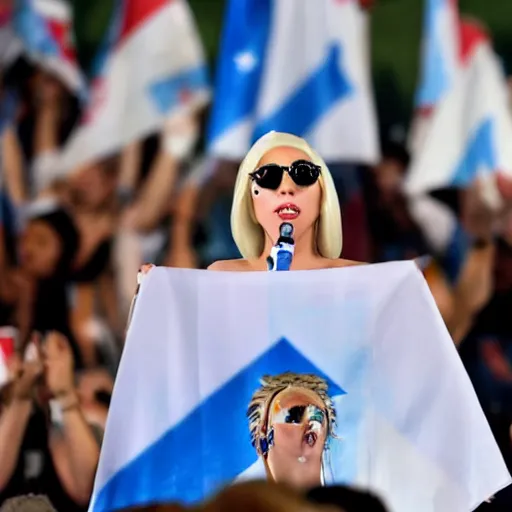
282 179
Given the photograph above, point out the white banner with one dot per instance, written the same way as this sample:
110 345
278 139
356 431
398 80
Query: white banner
408 424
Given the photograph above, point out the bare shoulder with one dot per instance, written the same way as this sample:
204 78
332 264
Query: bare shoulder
339 263
229 265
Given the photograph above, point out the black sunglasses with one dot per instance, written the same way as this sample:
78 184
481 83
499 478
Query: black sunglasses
299 414
302 172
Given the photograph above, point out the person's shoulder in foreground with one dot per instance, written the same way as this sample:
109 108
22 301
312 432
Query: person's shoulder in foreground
243 265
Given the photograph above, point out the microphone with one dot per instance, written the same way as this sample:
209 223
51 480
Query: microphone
281 254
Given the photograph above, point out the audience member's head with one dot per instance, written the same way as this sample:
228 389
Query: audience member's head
49 243
30 503
262 497
92 187
347 499
390 172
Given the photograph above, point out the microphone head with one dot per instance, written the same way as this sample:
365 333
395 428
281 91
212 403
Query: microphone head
286 230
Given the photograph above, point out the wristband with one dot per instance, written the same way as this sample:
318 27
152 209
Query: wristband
70 407
66 399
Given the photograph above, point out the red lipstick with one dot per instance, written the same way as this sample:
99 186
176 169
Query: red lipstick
287 211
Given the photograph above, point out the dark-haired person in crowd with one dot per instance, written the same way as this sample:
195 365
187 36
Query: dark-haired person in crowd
37 289
262 497
487 355
88 192
395 234
47 444
257 496
149 183
45 116
405 227
91 197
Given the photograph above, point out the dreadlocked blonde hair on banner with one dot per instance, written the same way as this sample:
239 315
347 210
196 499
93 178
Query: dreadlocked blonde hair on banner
271 386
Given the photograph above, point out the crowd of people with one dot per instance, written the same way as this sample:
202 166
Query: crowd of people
71 246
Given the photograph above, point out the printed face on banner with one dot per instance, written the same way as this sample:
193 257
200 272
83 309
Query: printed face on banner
291 417
299 426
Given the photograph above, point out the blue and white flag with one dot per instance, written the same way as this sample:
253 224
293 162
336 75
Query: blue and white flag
295 66
445 54
439 63
469 134
440 52
408 423
150 67
46 31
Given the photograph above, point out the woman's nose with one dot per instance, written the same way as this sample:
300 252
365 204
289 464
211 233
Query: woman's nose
287 187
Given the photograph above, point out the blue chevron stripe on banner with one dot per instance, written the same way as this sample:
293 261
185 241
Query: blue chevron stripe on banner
218 431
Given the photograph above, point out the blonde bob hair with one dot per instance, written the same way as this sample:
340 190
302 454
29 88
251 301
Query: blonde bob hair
249 235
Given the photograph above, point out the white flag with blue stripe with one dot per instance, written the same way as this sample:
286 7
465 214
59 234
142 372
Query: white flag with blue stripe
408 424
444 55
45 29
470 130
150 67
295 66
439 63
440 52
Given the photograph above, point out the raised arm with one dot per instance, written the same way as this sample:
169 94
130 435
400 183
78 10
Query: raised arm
14 417
181 251
153 200
74 448
46 139
12 158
